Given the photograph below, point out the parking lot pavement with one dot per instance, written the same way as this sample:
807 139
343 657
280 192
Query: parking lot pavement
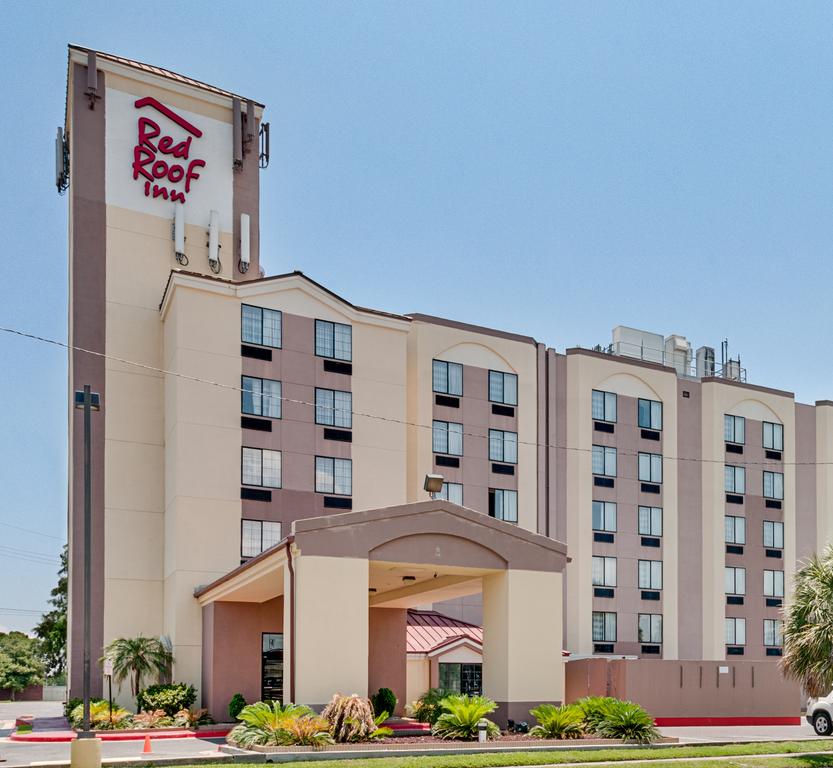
695 734
22 754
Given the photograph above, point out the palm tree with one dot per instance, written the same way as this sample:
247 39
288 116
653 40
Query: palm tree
136 658
808 626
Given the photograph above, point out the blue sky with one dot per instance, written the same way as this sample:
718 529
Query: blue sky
549 168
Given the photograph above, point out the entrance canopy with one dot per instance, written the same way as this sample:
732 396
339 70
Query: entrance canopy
342 584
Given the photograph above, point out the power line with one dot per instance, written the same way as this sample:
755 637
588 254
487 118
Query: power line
389 419
29 530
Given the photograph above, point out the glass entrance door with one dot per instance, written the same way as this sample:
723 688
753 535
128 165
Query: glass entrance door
271 685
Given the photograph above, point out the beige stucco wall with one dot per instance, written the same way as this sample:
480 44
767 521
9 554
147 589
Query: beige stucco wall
417 678
428 341
718 399
522 625
824 475
331 636
584 374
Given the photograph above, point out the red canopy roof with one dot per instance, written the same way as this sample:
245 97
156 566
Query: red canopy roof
428 630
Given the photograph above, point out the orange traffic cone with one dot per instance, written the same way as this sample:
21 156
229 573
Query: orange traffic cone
146 750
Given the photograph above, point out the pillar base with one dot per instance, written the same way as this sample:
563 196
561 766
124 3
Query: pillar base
85 753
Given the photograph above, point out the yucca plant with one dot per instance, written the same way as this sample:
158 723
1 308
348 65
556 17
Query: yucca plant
308 731
461 715
628 721
351 718
594 710
808 626
565 722
265 723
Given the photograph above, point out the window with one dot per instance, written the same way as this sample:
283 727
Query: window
452 492
604 627
734 479
503 388
773 534
261 397
773 436
257 536
734 429
333 340
260 326
773 633
334 408
773 583
650 467
773 485
604 571
649 414
650 574
448 378
735 581
448 438
650 521
735 631
462 678
261 467
333 476
604 460
650 627
604 516
604 406
503 446
735 529
503 505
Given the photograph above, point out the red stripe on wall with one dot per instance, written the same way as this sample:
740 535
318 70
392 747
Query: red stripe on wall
670 722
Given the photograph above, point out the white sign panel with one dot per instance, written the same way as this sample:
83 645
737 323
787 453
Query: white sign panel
159 156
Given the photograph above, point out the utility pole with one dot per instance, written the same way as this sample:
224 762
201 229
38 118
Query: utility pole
86 749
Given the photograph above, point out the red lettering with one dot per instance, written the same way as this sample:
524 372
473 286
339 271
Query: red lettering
147 189
176 173
182 149
165 145
177 196
160 169
141 157
191 174
160 191
148 130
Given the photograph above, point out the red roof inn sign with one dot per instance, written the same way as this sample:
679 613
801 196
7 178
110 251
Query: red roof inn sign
161 161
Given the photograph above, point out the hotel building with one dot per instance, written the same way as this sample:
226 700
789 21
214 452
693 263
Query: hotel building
262 445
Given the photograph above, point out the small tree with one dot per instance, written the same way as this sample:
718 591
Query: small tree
137 658
808 626
20 663
52 628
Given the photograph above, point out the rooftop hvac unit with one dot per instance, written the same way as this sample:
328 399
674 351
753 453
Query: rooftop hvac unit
678 353
732 370
705 362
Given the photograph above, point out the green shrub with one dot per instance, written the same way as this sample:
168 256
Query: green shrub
101 718
566 722
426 709
71 704
152 719
266 723
308 731
629 721
235 706
191 718
594 710
461 715
384 701
169 697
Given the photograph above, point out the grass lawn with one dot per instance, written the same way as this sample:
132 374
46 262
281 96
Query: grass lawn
656 757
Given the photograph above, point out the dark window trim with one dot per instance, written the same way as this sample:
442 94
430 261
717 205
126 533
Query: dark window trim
446 363
261 379
333 492
489 389
253 343
333 391
333 356
252 485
